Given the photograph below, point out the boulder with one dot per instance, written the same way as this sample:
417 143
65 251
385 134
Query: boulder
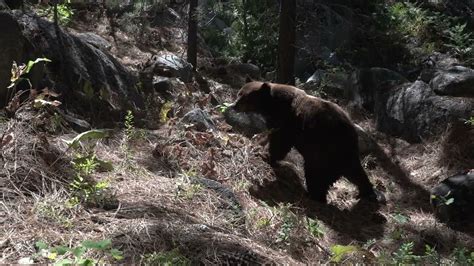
200 120
456 81
413 111
452 199
162 84
248 124
95 40
88 78
13 47
434 63
367 82
172 65
334 84
244 69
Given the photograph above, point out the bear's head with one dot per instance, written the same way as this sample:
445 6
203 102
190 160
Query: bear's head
253 97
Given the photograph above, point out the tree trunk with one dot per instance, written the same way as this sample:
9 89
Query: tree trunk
286 42
192 33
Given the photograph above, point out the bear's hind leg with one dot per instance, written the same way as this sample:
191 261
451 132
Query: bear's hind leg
318 182
357 175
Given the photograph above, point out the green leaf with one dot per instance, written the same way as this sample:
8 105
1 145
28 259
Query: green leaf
400 218
99 245
88 135
339 251
165 109
63 262
105 166
86 262
41 245
449 201
61 250
116 254
31 64
79 251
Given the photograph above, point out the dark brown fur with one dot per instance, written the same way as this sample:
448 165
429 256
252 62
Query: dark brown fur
320 130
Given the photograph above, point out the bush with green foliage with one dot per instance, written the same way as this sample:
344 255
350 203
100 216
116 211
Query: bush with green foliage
252 34
428 29
166 258
85 163
63 255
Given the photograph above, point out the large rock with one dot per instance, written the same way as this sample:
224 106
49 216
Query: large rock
95 40
200 119
13 47
169 64
414 111
88 78
455 81
434 63
334 84
248 124
452 199
367 82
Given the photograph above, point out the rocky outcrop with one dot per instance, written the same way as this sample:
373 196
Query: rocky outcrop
414 111
367 82
88 78
200 119
13 47
456 81
452 199
247 124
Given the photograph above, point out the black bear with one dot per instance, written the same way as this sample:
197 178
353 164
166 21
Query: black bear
320 130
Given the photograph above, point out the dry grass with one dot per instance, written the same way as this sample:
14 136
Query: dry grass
210 196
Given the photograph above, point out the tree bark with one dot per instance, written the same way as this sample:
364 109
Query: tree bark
192 33
286 42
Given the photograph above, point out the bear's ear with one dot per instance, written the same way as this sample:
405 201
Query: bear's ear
248 79
266 87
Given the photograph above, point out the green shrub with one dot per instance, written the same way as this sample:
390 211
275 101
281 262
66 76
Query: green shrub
254 31
63 255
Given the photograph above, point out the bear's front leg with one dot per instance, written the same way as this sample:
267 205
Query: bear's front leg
280 142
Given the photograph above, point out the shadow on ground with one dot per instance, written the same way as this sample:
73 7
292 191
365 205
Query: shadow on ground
362 222
147 228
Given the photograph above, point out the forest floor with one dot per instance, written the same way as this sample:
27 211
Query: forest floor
176 194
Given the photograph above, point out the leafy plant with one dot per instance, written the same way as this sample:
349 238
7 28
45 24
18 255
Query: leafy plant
461 41
95 134
314 228
400 218
83 187
166 258
443 200
223 107
252 31
65 13
470 121
85 164
431 255
461 256
19 72
288 223
63 255
165 109
405 255
340 251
